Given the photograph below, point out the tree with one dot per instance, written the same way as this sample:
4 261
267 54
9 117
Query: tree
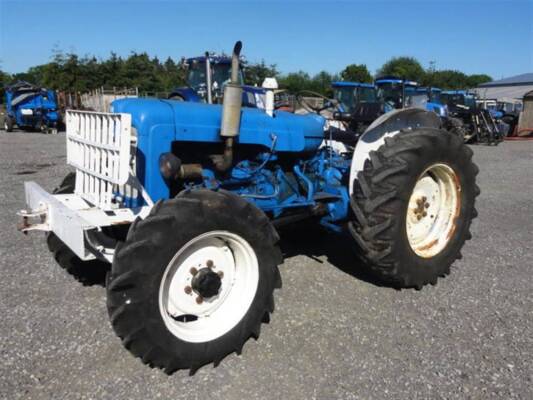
255 74
446 79
321 83
356 73
477 79
296 81
403 67
5 78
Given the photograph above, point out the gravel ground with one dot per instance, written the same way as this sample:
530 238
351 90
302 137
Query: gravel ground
335 334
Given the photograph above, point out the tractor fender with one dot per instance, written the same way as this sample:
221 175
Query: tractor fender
388 125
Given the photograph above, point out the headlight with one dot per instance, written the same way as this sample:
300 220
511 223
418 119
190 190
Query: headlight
26 111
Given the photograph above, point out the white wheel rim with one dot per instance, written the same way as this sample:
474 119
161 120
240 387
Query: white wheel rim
433 209
230 255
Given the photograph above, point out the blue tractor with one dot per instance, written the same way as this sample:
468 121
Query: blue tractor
184 200
395 92
434 101
206 77
474 123
30 107
399 93
358 104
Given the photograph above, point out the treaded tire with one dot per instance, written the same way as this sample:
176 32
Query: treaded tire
380 201
8 124
87 272
140 262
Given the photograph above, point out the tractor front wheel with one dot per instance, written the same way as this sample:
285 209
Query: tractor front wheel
194 280
413 205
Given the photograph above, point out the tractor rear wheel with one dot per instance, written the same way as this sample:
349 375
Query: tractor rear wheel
87 272
413 205
194 280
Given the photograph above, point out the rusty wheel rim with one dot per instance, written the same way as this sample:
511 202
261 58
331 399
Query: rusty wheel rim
433 209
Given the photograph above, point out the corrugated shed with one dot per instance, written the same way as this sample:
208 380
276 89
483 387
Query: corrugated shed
522 79
500 92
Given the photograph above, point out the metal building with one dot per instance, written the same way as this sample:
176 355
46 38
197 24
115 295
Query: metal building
513 88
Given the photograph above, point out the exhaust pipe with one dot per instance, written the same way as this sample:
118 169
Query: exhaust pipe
209 83
231 106
231 112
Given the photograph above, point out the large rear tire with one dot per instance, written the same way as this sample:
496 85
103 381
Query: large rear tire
413 205
87 272
194 280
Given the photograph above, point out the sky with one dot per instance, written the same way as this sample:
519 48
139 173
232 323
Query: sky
474 36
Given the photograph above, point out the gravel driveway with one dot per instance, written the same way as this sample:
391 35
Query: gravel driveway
336 333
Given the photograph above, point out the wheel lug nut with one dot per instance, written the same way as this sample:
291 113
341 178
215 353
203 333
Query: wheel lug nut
424 198
193 271
220 274
426 205
199 300
188 289
209 263
424 214
419 217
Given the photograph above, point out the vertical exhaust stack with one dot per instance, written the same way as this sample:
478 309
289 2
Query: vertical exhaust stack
232 104
209 83
231 112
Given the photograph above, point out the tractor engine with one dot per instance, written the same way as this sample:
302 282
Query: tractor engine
272 161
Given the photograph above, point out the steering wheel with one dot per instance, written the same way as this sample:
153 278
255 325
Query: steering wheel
328 103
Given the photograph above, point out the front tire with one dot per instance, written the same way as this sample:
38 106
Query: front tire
8 124
413 205
194 280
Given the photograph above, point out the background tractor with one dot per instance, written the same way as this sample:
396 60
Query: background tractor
30 107
358 104
475 124
206 77
184 200
397 93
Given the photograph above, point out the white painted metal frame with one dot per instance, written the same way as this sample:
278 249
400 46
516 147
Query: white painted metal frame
70 216
98 146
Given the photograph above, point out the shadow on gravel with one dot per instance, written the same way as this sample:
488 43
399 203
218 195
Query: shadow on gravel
312 241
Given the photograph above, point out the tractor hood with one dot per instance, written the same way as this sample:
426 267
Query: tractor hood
199 122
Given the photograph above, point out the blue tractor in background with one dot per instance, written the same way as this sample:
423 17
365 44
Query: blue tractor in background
184 203
475 124
434 100
357 106
394 92
397 93
30 107
206 76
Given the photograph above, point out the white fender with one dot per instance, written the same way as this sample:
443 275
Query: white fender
388 125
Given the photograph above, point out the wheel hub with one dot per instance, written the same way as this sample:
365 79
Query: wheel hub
194 303
206 283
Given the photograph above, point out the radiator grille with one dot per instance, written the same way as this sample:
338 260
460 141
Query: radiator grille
98 146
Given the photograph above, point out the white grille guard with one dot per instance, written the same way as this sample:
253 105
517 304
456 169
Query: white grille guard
98 146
